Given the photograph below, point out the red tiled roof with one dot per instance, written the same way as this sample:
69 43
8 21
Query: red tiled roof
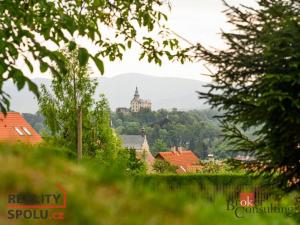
179 158
14 122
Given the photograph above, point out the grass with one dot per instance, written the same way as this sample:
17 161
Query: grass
97 195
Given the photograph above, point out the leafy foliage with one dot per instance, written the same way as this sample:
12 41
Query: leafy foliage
35 30
257 84
195 130
134 165
159 146
204 134
60 109
213 167
162 166
178 202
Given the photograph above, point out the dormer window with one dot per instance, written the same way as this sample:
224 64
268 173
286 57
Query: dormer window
27 131
19 131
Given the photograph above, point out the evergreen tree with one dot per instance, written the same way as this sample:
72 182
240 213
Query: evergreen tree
257 83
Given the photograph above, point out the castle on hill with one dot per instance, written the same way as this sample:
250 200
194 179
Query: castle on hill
136 104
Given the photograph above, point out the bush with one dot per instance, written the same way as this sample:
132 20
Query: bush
218 167
99 195
161 166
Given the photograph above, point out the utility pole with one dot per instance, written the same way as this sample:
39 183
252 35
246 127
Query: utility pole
79 133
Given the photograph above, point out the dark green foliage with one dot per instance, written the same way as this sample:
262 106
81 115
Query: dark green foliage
257 85
228 183
159 146
162 166
33 30
195 130
134 165
96 196
212 167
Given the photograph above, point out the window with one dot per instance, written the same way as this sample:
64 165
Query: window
19 131
27 131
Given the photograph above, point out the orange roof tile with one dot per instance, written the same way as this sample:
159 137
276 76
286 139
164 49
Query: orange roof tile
15 128
179 157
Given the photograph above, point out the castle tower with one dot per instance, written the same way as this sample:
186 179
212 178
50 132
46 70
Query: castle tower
136 94
137 104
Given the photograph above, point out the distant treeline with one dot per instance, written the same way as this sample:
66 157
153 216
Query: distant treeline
197 130
36 121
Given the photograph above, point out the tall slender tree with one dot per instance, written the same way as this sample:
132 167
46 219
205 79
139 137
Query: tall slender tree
74 118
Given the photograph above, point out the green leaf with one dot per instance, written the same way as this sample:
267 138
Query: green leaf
29 65
129 44
119 22
18 78
99 63
33 87
72 45
98 3
83 56
43 66
142 55
3 67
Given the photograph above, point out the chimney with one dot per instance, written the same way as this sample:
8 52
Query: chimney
179 150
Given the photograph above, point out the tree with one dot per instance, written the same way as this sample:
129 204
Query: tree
103 139
134 165
159 146
195 130
162 166
71 93
35 30
256 85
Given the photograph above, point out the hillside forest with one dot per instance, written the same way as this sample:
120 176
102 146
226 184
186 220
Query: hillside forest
197 130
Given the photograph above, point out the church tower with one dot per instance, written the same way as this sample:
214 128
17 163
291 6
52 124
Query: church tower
136 94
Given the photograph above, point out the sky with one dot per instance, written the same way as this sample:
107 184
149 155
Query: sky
199 21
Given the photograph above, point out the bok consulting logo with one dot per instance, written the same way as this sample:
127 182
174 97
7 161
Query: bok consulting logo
37 206
247 199
250 203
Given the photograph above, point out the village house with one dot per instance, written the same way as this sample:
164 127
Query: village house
185 160
140 144
14 128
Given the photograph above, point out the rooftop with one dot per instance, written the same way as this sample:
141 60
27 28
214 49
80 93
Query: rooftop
132 141
15 128
179 157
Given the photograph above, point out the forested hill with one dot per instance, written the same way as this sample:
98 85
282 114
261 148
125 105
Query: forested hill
197 130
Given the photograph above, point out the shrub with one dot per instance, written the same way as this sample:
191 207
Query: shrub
96 195
161 166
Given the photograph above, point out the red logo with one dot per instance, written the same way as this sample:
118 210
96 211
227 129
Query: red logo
32 206
247 199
